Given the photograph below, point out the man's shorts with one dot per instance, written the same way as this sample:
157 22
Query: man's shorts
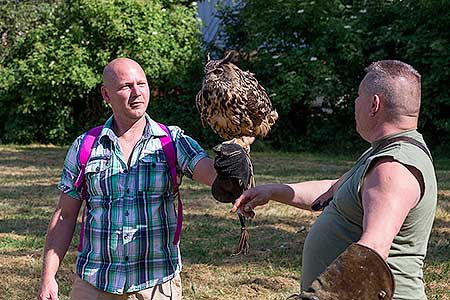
169 290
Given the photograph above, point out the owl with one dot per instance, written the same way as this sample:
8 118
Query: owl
233 103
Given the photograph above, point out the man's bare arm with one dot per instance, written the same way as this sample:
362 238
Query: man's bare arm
389 192
204 171
59 235
301 195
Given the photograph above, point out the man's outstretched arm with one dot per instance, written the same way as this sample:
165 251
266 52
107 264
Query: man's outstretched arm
204 171
301 195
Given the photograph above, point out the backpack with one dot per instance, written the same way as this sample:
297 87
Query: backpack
169 151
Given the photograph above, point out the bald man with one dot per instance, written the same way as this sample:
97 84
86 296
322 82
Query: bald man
128 250
381 210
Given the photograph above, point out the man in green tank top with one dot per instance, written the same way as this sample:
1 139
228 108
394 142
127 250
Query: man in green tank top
377 217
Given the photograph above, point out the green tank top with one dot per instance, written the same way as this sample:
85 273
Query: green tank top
340 224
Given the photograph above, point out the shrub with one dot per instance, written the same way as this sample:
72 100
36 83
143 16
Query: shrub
50 74
303 51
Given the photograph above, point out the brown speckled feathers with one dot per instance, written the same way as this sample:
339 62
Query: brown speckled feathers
233 103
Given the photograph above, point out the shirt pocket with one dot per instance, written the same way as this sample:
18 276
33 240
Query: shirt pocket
153 171
97 174
102 213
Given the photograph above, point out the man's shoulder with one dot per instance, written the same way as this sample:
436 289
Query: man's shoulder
81 140
175 130
78 141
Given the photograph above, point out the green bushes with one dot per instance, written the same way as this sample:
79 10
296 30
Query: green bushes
50 72
302 51
53 53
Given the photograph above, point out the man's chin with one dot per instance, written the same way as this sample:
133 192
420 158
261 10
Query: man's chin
135 115
138 111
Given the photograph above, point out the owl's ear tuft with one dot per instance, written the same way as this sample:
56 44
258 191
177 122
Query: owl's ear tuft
231 56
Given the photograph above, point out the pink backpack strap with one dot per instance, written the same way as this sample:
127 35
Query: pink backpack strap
169 151
83 156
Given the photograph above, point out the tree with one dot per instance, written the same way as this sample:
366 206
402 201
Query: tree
305 52
51 74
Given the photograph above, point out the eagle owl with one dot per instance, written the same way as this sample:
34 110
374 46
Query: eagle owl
233 103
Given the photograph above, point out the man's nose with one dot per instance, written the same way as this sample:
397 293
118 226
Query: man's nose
135 89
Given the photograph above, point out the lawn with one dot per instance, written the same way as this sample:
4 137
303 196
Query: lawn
28 195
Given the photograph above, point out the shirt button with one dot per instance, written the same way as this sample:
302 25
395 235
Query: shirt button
97 169
126 258
126 213
128 191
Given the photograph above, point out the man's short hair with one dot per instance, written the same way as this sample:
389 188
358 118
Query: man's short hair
397 84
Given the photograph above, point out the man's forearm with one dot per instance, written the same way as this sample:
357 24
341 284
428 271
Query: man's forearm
59 236
302 194
204 171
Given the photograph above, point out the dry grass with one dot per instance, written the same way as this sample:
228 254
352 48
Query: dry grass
28 176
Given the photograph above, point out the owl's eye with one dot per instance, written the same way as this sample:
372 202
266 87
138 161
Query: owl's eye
218 71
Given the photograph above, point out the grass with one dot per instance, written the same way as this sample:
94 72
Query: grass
28 195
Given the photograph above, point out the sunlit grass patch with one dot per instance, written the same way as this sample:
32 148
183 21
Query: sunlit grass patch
28 195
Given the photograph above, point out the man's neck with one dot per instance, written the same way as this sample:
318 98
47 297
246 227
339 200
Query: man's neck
126 129
388 129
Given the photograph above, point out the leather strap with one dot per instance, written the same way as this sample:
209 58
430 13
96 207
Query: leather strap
403 139
318 206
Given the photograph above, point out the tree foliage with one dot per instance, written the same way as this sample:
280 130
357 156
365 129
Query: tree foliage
305 51
54 52
309 55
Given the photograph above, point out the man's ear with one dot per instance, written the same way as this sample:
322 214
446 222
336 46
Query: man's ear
376 102
105 93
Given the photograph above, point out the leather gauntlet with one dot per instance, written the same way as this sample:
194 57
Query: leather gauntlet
232 165
359 273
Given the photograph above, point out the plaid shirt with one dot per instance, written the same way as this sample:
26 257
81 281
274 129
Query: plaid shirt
130 217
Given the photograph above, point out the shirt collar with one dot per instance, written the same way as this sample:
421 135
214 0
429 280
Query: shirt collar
151 129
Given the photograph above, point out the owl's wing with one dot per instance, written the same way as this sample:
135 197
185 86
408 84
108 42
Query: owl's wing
258 103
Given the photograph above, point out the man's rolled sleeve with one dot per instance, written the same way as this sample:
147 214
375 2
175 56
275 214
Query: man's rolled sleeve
70 171
189 152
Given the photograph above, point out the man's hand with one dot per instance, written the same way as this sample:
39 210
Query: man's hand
252 198
48 290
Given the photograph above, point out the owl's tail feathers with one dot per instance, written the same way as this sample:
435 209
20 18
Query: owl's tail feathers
266 124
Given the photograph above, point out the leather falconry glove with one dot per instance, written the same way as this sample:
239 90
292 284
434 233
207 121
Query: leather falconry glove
234 175
233 172
359 273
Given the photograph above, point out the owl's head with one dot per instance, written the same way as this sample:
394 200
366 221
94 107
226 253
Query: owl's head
221 71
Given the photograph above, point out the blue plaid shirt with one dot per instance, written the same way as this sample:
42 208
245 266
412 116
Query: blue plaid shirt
130 217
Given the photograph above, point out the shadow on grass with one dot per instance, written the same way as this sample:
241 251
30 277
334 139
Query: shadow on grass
442 164
36 195
212 240
34 226
439 244
33 156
